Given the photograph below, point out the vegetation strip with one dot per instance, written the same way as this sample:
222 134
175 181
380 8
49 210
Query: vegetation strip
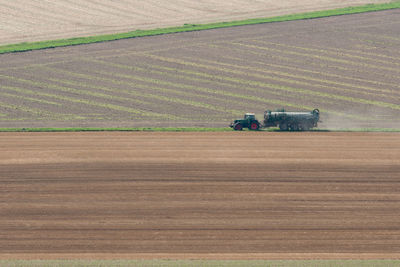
181 129
194 27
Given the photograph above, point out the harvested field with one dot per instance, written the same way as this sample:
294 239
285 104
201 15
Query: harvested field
348 66
27 20
249 195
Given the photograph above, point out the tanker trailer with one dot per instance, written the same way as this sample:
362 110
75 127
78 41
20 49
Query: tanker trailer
291 121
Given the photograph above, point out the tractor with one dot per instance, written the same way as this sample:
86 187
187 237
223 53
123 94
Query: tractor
249 121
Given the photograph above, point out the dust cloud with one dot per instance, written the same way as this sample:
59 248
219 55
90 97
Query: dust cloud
356 119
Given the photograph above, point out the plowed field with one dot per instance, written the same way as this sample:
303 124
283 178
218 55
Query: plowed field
200 195
28 20
348 66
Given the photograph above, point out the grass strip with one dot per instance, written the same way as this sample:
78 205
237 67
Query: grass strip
183 129
136 129
27 46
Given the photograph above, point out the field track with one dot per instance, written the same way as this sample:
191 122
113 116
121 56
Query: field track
27 21
347 66
199 195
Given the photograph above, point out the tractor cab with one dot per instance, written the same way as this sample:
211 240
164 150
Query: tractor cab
249 116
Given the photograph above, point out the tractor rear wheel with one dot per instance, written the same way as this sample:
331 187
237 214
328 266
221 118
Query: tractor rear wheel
238 127
254 126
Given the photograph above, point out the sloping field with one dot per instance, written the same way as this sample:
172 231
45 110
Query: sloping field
27 20
248 195
347 66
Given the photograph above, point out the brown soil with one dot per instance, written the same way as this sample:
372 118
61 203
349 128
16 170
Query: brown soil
199 195
26 21
348 66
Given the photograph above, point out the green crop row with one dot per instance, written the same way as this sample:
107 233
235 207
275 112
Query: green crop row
279 57
274 75
30 99
333 84
334 54
167 99
278 87
191 27
87 102
38 113
320 57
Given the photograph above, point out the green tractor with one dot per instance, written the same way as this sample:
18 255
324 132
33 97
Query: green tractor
249 121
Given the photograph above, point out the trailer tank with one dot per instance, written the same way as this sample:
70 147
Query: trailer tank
292 121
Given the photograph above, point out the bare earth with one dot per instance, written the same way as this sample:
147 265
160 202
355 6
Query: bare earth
200 195
38 20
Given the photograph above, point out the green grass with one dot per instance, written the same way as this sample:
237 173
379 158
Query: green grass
181 129
193 263
138 129
193 27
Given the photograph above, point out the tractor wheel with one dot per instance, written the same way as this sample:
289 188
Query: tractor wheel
254 126
283 126
238 127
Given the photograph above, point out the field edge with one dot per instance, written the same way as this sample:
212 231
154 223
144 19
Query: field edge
29 46
184 129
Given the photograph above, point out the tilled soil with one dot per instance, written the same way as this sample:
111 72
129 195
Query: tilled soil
200 195
347 66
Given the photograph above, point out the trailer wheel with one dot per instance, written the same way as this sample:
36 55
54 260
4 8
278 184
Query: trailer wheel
295 127
254 126
305 127
238 127
283 126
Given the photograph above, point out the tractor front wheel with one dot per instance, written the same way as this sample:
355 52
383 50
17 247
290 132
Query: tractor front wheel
254 126
238 127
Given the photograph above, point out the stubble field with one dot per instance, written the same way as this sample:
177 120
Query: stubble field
27 20
346 66
248 195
